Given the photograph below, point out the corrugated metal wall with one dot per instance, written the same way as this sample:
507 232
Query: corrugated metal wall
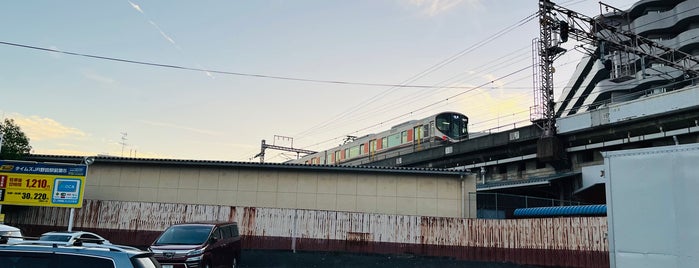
573 241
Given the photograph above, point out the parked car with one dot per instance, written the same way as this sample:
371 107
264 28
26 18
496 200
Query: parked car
203 244
10 234
47 254
72 236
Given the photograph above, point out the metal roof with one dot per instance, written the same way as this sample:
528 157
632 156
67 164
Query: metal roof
238 164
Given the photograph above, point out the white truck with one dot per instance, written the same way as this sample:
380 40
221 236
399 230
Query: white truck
653 206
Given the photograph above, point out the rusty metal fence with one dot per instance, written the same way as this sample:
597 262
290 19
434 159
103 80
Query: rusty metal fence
574 241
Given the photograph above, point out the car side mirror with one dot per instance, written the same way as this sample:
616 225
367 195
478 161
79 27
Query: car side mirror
213 239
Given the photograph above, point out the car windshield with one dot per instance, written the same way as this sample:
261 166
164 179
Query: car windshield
185 235
52 237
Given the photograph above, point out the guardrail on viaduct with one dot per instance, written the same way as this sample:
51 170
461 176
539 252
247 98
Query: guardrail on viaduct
570 242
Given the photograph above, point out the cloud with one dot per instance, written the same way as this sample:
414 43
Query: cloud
136 7
162 33
435 7
490 109
169 125
41 128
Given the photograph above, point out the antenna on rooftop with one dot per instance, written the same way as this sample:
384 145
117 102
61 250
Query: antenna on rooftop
123 142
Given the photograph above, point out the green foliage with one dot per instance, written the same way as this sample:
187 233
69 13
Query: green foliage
15 145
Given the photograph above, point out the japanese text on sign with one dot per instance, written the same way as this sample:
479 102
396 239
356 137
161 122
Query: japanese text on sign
35 184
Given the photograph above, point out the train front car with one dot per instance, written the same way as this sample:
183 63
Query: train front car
452 127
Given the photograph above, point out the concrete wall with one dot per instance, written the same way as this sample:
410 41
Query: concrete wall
370 192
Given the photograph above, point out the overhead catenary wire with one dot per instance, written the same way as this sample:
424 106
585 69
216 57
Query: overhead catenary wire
385 108
198 69
327 123
453 97
153 64
415 97
478 73
425 107
431 69
219 71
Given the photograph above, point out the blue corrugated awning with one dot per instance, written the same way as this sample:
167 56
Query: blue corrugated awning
588 210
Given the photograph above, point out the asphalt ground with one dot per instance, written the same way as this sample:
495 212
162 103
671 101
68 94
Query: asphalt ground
288 259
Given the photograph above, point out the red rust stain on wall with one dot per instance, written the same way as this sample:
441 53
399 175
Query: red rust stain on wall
570 242
248 223
232 215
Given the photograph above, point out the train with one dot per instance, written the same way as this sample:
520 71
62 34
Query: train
436 130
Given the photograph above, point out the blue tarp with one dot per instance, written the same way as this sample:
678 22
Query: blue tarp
587 210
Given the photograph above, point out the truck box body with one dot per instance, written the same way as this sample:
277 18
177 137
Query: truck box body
653 206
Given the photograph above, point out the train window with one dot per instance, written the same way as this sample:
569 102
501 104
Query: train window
337 157
404 137
372 146
417 133
353 152
393 140
384 143
452 125
361 149
347 154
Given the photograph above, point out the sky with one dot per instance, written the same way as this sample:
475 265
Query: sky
211 79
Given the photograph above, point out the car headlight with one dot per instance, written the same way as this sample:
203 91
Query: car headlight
192 259
195 252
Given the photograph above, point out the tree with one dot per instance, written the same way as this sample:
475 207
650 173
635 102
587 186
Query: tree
15 144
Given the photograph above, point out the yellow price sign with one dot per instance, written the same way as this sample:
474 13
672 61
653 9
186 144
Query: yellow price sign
37 184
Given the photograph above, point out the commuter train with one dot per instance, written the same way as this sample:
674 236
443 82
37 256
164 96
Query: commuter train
436 130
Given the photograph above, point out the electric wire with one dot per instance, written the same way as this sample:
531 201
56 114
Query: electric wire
657 20
424 107
410 100
422 74
153 64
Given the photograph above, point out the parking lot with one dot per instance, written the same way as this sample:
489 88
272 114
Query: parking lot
284 259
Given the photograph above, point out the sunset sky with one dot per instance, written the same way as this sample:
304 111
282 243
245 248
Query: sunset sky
208 80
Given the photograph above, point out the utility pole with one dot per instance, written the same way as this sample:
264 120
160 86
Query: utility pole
265 146
123 142
547 49
556 25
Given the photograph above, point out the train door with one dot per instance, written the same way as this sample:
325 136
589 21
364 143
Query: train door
417 137
372 148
